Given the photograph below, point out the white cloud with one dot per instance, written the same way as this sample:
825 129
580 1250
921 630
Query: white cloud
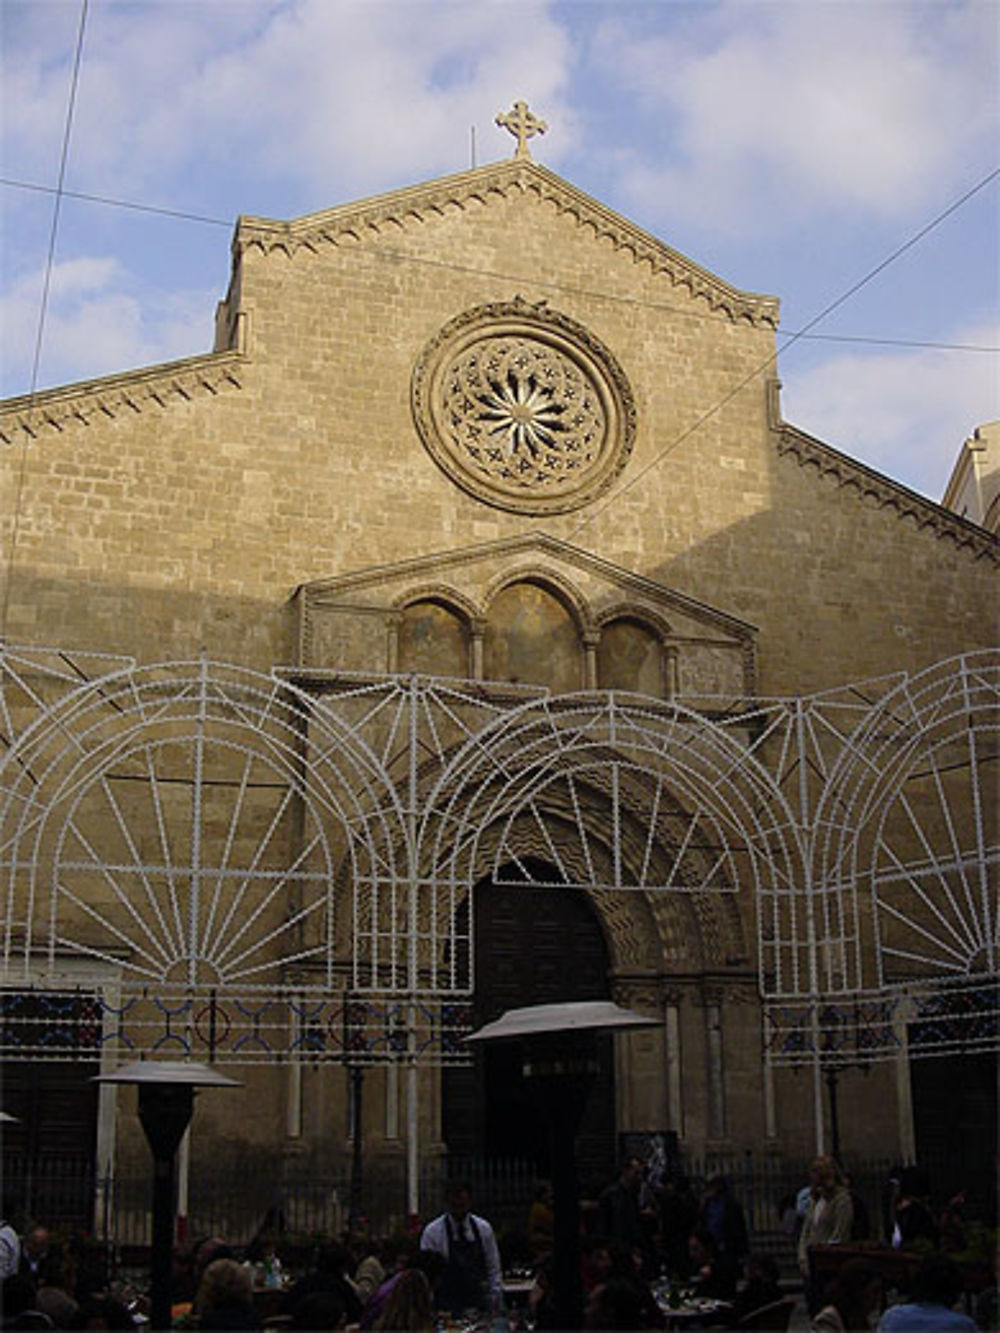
779 113
320 92
904 412
99 320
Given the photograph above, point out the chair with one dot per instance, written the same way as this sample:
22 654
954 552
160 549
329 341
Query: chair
773 1318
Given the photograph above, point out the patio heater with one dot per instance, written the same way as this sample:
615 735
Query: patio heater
166 1100
559 1057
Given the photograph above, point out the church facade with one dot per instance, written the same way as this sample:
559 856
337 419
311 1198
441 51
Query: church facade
467 630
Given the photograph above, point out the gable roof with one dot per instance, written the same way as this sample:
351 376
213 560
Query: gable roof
386 214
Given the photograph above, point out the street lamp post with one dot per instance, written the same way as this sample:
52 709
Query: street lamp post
354 1047
559 1063
166 1099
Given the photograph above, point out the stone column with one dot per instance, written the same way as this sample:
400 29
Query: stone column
715 1063
477 633
671 670
392 623
591 638
672 1044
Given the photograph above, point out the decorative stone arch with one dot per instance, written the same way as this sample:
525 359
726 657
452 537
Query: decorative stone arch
637 611
444 593
658 628
626 920
464 610
553 582
542 648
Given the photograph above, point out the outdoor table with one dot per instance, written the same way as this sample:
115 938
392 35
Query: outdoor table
267 1301
516 1289
696 1313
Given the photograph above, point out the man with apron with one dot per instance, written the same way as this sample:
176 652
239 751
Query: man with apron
471 1279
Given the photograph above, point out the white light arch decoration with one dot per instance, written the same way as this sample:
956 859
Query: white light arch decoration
182 825
910 819
703 815
248 857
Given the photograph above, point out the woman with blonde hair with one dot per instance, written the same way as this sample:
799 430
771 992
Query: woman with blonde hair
409 1304
828 1218
225 1297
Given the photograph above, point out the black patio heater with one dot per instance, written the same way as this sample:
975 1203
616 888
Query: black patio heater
559 1060
166 1099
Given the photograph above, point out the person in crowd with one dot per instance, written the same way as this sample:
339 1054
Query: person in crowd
206 1251
760 1288
398 1254
225 1297
10 1244
678 1218
17 1304
936 1290
861 1227
613 1305
472 1278
952 1224
827 1221
101 1311
913 1221
429 1262
321 1311
541 1306
852 1300
56 1292
35 1253
541 1220
722 1217
369 1270
714 1275
409 1306
328 1273
618 1208
600 1260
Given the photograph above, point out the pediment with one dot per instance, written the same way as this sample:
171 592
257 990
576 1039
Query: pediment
346 622
384 216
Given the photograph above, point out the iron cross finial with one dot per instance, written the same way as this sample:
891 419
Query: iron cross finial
523 124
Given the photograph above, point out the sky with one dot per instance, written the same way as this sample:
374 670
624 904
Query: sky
789 146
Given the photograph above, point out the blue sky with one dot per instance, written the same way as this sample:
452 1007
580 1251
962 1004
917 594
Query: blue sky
788 147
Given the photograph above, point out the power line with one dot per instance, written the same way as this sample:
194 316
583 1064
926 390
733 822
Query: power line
771 360
43 307
793 335
175 213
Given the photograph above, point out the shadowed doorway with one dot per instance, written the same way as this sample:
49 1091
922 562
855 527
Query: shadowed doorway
532 946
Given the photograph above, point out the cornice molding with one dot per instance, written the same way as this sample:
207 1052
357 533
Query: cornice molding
153 387
831 464
388 214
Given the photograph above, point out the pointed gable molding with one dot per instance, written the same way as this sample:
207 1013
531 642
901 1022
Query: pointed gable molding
385 215
156 387
830 464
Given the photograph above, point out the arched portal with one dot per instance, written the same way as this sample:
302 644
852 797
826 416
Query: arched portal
523 937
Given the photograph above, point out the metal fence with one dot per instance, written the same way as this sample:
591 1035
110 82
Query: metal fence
68 1195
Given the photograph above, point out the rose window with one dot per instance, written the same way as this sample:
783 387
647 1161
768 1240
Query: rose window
528 412
522 413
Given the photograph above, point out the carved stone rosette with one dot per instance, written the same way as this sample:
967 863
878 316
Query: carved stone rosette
523 408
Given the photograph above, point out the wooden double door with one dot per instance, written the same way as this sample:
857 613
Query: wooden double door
532 946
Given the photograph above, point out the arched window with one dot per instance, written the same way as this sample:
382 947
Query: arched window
532 638
433 640
630 657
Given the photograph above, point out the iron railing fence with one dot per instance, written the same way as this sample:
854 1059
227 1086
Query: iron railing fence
67 1194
